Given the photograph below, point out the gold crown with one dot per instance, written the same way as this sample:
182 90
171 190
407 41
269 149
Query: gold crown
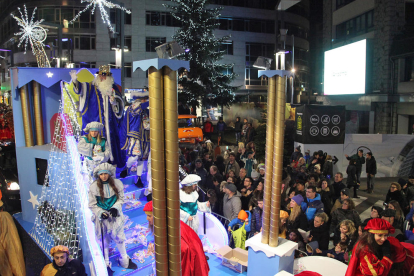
105 70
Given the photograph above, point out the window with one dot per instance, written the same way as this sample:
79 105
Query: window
152 42
85 64
257 4
85 42
253 51
86 20
127 17
156 18
227 47
356 26
341 3
127 43
409 69
128 69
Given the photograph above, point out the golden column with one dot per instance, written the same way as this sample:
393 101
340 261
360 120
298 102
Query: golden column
172 175
270 126
278 143
40 139
27 118
156 98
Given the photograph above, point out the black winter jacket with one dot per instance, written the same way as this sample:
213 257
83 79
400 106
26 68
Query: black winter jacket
352 179
321 235
371 166
301 222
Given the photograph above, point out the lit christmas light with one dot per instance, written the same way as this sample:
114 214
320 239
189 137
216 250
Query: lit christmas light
104 14
31 32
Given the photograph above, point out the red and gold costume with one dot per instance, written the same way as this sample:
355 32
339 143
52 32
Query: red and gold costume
366 262
193 259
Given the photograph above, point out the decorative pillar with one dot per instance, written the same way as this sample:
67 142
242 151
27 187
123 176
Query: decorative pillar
155 86
27 118
163 101
172 175
278 143
270 126
40 139
268 253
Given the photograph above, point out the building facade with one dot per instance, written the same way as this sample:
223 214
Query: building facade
386 105
252 25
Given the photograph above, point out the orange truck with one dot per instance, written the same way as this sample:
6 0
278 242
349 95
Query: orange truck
188 133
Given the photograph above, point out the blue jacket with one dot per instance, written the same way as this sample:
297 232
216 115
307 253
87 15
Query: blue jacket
221 126
239 221
311 207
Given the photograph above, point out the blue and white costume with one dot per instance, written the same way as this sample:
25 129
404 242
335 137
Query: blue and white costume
99 105
135 132
189 204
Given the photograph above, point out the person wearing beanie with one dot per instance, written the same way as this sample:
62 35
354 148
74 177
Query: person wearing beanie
106 197
244 217
193 259
283 217
93 146
344 194
297 218
189 204
62 265
376 212
231 201
377 253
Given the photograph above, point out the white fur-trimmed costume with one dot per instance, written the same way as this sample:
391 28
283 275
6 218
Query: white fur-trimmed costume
189 204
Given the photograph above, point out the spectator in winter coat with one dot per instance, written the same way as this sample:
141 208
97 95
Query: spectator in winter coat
352 180
244 129
297 218
338 185
202 173
371 169
313 204
376 212
408 190
207 162
307 157
221 127
231 202
238 128
257 213
214 173
247 192
346 212
208 128
250 133
249 162
326 193
327 170
359 161
348 234
296 155
220 164
395 193
319 231
345 194
231 164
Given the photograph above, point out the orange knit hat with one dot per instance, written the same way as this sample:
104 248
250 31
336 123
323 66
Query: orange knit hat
284 214
242 215
59 248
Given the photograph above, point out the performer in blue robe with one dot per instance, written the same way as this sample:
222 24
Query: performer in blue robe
135 135
100 101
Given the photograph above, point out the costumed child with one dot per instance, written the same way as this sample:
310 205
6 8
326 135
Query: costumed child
193 260
189 204
106 197
93 146
242 217
62 264
134 135
377 253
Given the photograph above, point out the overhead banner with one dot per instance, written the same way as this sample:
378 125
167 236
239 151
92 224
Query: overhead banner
320 124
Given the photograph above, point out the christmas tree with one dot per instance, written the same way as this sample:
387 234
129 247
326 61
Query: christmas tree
207 76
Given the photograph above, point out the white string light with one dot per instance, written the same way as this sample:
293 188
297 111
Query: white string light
31 32
104 14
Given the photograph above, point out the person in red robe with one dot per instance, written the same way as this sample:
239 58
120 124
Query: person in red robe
376 253
193 259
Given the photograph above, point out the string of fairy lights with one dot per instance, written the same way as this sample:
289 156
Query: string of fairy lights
32 33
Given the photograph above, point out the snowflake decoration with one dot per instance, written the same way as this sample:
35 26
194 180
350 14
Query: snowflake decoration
104 14
30 31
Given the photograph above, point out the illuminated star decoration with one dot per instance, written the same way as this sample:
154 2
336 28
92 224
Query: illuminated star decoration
31 31
49 75
104 15
33 200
